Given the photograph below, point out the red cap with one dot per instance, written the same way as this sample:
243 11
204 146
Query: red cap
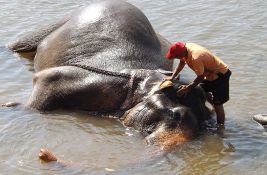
176 50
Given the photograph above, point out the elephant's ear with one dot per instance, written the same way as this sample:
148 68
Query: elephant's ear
29 41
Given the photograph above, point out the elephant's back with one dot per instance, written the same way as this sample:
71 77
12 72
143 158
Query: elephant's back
111 35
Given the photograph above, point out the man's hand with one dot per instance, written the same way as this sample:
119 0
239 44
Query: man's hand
168 78
183 89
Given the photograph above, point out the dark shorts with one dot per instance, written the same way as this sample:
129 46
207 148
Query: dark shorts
219 88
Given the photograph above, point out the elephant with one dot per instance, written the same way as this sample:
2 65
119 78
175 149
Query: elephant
106 57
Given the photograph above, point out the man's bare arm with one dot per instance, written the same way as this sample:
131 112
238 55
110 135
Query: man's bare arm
197 80
178 69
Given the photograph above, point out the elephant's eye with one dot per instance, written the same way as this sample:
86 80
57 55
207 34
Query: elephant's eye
176 114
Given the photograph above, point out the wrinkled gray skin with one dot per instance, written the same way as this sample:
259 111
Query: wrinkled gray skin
105 58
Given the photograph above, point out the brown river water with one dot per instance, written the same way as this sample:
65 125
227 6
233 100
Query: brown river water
234 30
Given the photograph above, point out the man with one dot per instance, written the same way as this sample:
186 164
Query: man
212 73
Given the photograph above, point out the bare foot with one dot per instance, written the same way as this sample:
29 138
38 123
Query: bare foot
220 130
47 155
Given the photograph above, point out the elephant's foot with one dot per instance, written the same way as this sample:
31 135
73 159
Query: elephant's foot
261 119
47 156
71 87
167 139
10 104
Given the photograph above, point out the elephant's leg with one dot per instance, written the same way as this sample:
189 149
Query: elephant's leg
29 42
165 44
73 87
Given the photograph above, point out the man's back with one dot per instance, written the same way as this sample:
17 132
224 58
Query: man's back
202 61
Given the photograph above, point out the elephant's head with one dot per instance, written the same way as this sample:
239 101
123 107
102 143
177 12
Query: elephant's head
166 119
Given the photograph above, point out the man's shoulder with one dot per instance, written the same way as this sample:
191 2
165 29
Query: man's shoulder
197 51
193 47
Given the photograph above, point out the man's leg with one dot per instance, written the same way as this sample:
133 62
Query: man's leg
221 95
220 114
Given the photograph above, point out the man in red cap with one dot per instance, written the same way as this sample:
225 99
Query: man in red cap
212 73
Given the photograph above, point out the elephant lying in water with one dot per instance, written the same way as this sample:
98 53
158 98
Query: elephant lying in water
105 58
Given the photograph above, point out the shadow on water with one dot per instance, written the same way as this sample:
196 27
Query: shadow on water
25 58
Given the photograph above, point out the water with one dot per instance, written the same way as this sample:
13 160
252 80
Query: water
234 30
